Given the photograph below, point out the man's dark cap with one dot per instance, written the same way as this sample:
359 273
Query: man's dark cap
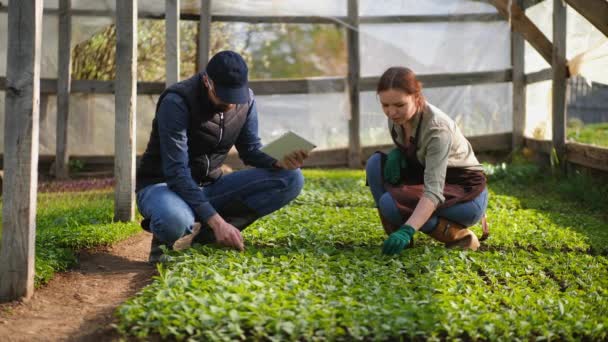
228 71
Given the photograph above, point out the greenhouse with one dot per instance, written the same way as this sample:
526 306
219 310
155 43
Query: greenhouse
91 98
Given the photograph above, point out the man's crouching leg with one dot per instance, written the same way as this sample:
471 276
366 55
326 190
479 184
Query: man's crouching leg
234 212
267 191
173 229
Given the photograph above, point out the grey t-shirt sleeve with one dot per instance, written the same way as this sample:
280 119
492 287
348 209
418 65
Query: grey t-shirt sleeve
436 163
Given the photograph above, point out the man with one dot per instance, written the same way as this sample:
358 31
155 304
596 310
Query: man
179 180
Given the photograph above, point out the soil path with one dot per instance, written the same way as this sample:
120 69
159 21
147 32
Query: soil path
78 305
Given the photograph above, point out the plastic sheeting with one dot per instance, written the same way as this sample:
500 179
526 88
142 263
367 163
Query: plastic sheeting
478 110
585 45
320 117
433 48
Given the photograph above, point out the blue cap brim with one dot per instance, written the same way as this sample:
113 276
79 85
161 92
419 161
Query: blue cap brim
233 95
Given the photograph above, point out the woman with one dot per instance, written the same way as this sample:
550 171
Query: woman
431 181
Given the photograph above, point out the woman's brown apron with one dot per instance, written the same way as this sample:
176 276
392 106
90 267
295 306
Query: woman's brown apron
461 185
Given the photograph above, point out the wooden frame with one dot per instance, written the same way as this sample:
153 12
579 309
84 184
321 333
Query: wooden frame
126 109
559 79
64 79
204 41
596 11
172 41
21 129
354 71
23 86
292 86
519 87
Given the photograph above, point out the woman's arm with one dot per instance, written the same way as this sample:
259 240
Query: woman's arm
424 209
436 160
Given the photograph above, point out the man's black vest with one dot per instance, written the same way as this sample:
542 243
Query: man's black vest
210 136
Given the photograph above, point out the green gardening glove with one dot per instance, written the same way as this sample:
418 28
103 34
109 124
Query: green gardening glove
395 161
398 240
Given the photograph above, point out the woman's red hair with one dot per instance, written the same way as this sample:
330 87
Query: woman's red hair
404 79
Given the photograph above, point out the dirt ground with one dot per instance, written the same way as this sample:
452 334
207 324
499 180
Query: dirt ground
78 305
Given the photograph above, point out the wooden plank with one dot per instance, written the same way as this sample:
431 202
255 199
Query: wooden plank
590 156
596 11
539 76
272 19
64 71
298 86
522 24
21 130
172 42
293 86
537 145
519 87
204 42
126 104
559 80
290 19
402 19
448 80
491 142
353 76
336 157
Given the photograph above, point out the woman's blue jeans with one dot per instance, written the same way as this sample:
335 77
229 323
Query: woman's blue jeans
466 214
261 190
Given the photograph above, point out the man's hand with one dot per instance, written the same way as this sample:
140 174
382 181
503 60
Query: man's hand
225 233
395 161
398 240
293 160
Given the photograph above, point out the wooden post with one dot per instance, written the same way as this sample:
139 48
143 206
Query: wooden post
172 10
204 38
519 87
521 23
596 11
126 104
21 128
559 80
63 89
352 38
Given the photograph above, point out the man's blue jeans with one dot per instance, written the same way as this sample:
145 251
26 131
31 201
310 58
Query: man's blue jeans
262 190
467 213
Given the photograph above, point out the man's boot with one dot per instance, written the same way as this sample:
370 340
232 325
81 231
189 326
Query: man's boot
182 243
455 235
234 212
156 252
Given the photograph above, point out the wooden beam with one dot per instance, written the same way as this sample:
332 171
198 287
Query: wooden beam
21 129
594 157
449 80
559 80
491 142
297 86
539 76
522 24
354 72
126 109
519 87
204 42
590 156
290 19
403 19
596 11
64 79
172 42
335 157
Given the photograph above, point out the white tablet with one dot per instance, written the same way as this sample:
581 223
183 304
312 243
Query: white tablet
286 144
